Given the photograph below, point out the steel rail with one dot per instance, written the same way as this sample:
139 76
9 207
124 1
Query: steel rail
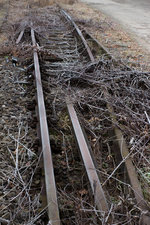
53 211
123 148
136 187
98 193
52 204
105 51
99 196
97 190
79 34
128 162
126 157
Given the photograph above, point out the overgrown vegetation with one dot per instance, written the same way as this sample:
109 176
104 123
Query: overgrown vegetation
84 83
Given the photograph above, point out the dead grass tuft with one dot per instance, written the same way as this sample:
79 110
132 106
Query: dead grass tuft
43 3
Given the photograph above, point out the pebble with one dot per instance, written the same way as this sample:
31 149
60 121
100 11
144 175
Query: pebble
2 121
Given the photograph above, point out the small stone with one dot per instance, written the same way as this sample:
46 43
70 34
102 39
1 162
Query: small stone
13 117
37 182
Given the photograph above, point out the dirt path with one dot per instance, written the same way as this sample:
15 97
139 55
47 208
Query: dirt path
132 15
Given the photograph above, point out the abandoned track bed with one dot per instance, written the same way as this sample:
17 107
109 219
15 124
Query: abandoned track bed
89 173
65 52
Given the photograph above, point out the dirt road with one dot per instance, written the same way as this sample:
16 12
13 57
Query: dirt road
133 15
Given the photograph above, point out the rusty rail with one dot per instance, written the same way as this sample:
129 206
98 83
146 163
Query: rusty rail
128 162
68 17
98 193
53 211
120 139
99 196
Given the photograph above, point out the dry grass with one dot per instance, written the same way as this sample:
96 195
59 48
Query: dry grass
3 12
43 3
2 3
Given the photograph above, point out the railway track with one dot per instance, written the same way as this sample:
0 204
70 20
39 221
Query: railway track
65 48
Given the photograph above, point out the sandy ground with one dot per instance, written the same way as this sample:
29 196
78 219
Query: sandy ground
132 15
